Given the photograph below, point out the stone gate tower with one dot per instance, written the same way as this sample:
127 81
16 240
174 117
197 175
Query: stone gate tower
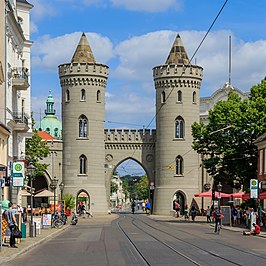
177 85
83 83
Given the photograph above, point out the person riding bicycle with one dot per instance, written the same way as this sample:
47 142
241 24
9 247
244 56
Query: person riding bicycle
217 215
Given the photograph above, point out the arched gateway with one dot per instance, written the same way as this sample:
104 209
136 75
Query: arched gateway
91 153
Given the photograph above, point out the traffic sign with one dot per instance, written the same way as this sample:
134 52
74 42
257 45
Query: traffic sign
18 174
254 188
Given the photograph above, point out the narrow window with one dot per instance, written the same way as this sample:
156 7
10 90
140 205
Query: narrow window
56 132
261 161
82 164
194 97
179 128
163 97
83 126
82 95
48 130
67 96
179 96
98 97
179 165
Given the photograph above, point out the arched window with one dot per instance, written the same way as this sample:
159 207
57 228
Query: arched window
83 126
67 96
48 130
179 96
56 132
82 164
163 97
83 95
179 168
98 96
194 100
179 127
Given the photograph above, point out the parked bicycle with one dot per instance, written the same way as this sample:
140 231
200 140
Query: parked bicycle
56 221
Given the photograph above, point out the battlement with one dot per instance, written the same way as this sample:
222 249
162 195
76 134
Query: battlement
165 71
130 135
80 69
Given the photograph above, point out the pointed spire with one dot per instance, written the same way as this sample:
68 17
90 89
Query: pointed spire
178 54
83 53
50 105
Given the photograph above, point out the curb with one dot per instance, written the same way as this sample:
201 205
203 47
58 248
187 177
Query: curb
24 250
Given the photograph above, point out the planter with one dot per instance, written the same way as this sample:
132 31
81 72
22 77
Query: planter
68 212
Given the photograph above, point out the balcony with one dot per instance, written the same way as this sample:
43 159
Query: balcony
20 78
19 121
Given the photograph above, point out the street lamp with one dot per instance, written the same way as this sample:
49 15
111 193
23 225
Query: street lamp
61 186
219 188
53 186
30 171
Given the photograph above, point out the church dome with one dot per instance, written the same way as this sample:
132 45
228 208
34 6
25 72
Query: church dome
50 123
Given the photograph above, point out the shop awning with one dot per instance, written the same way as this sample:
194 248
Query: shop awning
208 194
44 193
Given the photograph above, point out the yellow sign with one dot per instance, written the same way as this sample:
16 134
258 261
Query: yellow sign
171 167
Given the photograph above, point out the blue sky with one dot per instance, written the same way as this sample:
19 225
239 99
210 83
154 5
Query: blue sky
133 36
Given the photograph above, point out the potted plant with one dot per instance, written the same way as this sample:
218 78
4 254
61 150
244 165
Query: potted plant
69 203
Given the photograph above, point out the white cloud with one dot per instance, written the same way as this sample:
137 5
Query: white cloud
48 53
41 9
33 27
147 5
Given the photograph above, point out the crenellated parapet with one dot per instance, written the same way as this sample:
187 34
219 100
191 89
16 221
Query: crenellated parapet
83 74
146 136
177 76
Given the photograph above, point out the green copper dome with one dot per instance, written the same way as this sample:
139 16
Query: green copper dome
50 123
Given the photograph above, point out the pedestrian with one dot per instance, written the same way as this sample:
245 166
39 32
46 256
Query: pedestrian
12 223
133 205
217 215
193 212
238 216
186 213
208 214
148 207
143 206
255 231
177 208
20 210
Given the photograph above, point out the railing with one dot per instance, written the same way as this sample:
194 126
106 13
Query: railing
20 118
20 73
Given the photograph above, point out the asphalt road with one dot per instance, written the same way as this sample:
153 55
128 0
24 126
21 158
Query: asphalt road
139 240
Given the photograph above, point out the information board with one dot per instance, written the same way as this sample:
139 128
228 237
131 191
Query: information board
226 211
47 219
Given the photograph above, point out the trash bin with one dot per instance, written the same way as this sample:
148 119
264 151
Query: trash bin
23 230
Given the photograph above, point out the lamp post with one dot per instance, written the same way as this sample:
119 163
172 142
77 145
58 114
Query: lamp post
30 170
219 188
61 186
53 186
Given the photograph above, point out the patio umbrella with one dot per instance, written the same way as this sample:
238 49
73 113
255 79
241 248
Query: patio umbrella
237 195
208 194
5 204
44 193
246 196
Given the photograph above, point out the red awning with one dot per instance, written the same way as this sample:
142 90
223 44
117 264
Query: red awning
238 195
208 194
246 196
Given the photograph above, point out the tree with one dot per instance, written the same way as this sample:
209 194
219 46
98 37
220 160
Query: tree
37 150
114 187
227 142
143 187
69 201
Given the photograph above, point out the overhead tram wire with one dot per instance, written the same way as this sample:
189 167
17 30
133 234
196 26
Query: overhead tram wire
186 66
194 54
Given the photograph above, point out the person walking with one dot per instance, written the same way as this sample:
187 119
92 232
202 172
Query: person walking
11 219
208 214
148 207
193 212
217 215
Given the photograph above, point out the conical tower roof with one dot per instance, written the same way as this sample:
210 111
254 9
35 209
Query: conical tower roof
178 54
83 53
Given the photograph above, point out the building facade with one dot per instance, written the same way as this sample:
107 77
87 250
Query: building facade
15 103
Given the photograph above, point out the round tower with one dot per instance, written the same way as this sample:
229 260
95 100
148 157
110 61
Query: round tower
177 175
83 83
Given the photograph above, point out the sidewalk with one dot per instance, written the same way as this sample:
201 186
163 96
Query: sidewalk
8 253
202 220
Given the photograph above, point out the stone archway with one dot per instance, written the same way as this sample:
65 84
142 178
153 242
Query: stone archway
83 197
180 197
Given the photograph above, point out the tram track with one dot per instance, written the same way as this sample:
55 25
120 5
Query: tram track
158 240
198 247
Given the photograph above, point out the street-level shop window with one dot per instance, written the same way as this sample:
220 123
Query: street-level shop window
179 128
179 165
82 164
83 126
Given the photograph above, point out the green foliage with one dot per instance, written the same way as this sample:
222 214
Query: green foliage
36 150
136 186
227 142
69 201
114 187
